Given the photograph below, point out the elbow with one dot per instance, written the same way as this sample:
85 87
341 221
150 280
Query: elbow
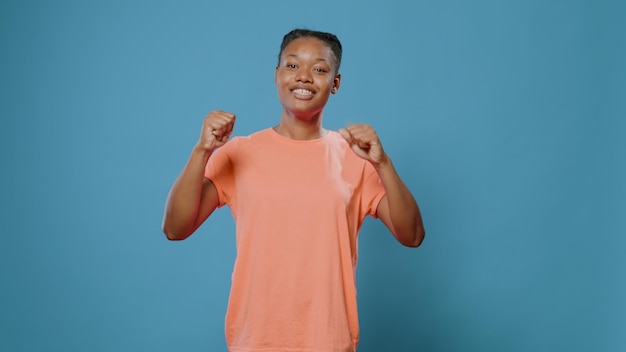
172 234
418 238
174 237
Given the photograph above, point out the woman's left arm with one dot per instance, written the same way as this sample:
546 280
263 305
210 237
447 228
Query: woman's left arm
398 210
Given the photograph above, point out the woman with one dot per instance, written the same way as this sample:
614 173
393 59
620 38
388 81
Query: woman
299 194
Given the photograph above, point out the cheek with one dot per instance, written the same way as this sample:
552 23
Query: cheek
283 79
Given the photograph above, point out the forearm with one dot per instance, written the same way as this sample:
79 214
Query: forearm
404 214
183 202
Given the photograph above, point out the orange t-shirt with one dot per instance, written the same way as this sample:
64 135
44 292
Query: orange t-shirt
298 206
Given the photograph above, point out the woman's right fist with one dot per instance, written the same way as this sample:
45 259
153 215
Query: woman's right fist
216 129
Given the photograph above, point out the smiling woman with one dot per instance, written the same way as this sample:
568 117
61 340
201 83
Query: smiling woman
306 76
299 194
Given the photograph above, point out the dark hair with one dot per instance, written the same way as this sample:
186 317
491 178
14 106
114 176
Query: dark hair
329 39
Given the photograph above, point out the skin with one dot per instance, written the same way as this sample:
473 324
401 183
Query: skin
304 79
308 64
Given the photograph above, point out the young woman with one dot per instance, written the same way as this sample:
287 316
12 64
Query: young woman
299 194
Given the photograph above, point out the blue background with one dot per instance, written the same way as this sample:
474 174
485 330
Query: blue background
505 118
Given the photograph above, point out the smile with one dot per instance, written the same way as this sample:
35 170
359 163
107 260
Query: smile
302 91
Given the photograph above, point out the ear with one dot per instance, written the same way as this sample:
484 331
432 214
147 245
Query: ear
275 75
336 83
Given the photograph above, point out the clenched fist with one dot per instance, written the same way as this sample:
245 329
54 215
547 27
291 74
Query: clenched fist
216 129
365 143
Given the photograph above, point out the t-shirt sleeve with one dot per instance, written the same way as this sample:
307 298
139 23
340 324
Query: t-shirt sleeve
220 170
373 191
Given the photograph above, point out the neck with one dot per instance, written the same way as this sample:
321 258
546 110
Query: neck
299 128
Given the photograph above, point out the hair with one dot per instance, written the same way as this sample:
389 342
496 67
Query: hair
329 39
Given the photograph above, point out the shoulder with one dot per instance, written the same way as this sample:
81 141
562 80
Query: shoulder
337 142
254 138
335 138
341 150
238 143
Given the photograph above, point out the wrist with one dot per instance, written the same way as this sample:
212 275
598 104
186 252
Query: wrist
383 164
201 151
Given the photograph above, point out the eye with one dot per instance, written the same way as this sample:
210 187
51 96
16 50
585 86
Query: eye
291 66
320 70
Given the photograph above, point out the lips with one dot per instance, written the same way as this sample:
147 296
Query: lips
302 91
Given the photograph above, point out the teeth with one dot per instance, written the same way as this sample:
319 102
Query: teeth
301 91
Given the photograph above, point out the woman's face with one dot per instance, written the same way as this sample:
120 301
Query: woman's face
306 77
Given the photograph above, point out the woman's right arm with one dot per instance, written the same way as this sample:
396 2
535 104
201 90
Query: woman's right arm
192 197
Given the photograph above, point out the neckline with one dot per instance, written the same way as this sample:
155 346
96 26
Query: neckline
279 136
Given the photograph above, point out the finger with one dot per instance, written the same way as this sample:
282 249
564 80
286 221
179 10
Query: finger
356 131
218 126
360 138
222 133
363 144
222 113
221 116
364 134
218 123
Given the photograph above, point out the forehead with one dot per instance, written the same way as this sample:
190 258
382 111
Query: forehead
309 48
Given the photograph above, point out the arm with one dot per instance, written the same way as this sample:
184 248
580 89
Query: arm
398 210
192 197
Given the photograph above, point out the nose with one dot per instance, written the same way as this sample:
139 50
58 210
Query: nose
304 76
